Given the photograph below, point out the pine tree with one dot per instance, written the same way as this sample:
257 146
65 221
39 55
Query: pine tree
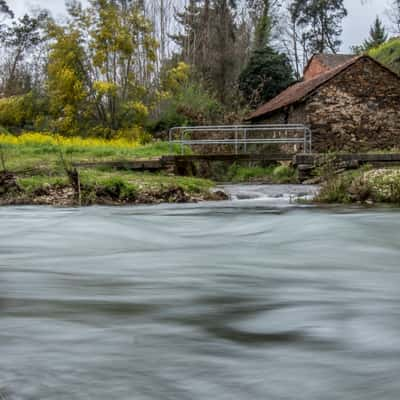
322 24
264 26
377 35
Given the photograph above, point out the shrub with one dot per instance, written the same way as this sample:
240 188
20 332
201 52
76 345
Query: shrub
12 111
284 173
117 189
183 101
266 75
272 173
23 111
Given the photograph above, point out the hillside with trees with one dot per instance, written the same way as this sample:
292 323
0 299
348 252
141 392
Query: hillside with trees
123 68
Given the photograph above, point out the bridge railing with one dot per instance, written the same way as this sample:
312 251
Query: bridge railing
241 136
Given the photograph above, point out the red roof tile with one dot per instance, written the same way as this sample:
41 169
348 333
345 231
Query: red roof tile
331 60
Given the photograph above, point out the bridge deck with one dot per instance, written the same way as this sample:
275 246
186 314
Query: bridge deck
165 162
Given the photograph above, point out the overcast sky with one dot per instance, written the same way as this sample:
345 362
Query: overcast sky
355 27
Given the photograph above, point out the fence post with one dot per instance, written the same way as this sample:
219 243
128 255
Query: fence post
236 141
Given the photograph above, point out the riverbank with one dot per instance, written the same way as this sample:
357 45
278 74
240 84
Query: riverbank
105 188
366 185
37 168
40 171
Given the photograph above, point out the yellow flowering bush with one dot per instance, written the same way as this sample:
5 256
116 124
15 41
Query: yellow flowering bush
12 111
35 138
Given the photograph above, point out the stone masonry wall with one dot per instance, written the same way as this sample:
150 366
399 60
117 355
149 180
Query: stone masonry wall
358 110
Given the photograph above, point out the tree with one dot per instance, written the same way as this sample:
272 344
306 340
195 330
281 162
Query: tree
100 67
377 36
5 12
266 75
209 44
5 9
20 38
394 15
68 86
322 24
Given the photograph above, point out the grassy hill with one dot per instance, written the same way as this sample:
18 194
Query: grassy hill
388 54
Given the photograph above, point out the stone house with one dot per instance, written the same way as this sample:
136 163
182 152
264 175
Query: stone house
350 103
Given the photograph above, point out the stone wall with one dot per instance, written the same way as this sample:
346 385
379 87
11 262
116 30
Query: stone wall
358 110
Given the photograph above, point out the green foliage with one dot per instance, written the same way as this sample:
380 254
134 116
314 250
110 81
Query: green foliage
27 110
97 67
20 39
273 174
183 101
266 75
12 112
388 54
284 172
117 188
377 36
336 190
39 183
209 43
45 156
68 92
264 26
364 185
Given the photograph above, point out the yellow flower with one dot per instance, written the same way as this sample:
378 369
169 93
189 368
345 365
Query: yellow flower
35 138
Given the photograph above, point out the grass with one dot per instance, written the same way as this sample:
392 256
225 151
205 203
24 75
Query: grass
388 54
272 174
362 186
36 159
145 180
42 152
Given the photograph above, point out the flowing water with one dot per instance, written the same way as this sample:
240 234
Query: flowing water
242 300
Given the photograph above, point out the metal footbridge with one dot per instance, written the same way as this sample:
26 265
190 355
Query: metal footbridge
242 138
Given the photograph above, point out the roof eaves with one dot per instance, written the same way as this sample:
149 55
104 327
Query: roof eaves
330 75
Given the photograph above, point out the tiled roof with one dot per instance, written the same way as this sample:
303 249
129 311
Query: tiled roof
332 60
298 91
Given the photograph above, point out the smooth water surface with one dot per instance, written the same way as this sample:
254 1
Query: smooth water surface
241 300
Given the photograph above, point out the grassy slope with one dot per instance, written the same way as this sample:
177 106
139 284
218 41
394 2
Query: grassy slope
47 156
39 165
388 54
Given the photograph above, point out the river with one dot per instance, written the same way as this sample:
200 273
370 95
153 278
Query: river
251 299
